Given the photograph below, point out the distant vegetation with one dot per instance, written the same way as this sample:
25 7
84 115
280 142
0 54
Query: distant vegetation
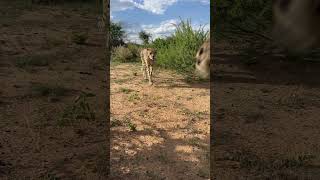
247 25
250 19
176 52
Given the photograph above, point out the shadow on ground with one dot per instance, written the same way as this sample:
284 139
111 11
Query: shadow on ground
265 117
167 159
158 132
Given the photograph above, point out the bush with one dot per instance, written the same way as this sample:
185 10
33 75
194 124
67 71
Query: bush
135 50
36 60
122 54
178 51
117 34
79 38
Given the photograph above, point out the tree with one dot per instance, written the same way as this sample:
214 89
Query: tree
117 34
144 36
106 21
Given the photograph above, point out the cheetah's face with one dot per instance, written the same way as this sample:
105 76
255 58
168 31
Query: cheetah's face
152 54
203 59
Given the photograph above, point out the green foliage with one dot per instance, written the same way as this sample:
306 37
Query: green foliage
46 90
133 97
135 50
122 54
178 51
236 19
79 37
79 110
117 34
132 126
128 53
35 60
145 37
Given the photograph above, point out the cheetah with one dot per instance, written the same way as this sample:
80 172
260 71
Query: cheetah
296 23
203 59
148 58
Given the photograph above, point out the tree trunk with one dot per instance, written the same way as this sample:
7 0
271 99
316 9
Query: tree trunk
106 25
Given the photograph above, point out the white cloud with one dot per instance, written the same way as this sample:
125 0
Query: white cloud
111 16
165 28
206 2
161 30
134 38
121 5
155 6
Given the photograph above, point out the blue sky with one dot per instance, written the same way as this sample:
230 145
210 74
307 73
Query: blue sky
157 16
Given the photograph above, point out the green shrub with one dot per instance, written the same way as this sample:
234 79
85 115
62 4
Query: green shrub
79 110
122 54
80 38
178 51
35 60
46 90
135 50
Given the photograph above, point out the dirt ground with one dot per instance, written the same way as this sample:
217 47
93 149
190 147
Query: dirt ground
266 119
160 131
52 95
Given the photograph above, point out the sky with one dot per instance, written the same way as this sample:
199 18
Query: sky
158 16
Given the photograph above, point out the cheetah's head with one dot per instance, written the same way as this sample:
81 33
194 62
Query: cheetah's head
151 53
203 59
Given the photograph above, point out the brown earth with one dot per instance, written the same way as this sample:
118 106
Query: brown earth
44 132
266 119
160 131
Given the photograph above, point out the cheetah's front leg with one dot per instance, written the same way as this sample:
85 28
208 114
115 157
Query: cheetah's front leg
149 75
143 69
151 71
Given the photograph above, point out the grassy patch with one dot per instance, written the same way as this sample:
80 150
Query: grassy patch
131 126
49 176
193 115
133 97
114 63
48 90
115 122
178 51
123 54
79 37
54 42
249 160
153 175
102 165
126 90
34 60
79 110
195 141
121 81
190 78
163 158
204 173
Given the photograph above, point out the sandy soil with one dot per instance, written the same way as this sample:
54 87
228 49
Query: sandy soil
44 132
266 119
160 131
